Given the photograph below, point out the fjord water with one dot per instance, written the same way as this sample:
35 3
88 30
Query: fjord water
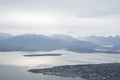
14 66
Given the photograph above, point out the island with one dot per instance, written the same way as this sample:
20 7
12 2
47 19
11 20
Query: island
106 71
33 55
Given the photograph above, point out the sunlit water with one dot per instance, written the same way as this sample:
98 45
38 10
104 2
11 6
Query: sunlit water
14 66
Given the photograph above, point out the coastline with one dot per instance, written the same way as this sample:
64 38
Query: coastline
108 71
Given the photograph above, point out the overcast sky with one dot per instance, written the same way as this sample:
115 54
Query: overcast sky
74 17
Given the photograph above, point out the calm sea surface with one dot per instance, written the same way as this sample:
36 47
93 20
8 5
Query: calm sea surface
14 66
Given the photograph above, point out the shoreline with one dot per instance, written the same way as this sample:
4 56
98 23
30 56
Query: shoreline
106 71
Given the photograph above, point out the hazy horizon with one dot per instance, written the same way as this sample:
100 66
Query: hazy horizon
61 34
76 18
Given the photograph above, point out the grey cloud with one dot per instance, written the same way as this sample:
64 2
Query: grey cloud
76 8
82 8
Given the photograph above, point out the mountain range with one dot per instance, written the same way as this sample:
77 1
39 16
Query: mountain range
32 42
102 40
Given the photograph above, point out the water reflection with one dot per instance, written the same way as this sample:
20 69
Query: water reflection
68 58
19 73
19 64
